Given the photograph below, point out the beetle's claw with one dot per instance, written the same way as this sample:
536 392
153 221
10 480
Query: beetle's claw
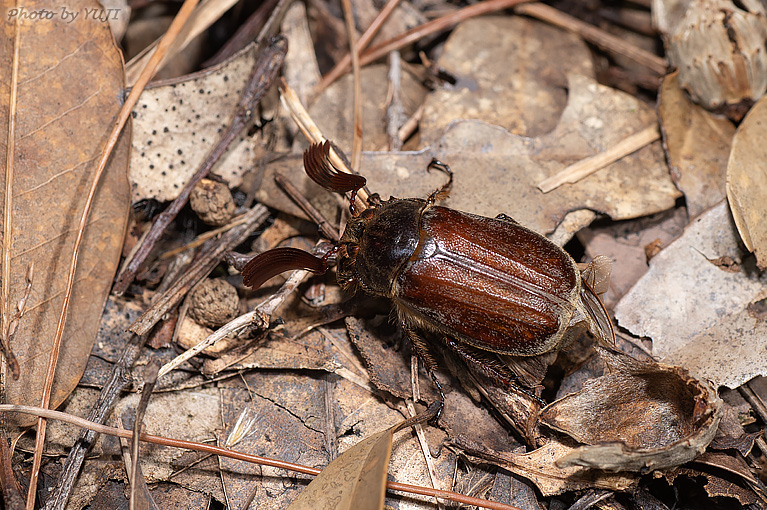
441 402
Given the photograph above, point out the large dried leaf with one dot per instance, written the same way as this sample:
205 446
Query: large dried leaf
747 181
697 143
498 172
67 92
701 303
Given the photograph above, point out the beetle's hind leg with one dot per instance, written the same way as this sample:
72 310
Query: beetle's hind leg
490 367
421 350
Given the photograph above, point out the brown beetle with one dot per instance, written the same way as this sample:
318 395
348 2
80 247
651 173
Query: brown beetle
484 284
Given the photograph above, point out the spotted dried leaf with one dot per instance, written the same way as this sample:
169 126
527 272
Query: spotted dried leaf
176 125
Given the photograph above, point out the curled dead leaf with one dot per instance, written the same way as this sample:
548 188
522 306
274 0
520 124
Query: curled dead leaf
640 416
746 181
697 145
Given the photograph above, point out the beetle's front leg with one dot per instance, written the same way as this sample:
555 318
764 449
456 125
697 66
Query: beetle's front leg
421 350
507 218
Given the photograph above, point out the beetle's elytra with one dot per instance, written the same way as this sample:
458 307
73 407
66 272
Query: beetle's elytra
488 283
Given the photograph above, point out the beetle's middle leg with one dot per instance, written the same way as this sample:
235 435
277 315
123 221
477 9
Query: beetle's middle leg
492 368
421 350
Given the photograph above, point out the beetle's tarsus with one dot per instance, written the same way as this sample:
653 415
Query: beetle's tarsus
441 398
444 191
421 350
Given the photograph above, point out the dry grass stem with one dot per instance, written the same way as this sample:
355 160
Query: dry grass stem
355 55
588 166
309 128
596 36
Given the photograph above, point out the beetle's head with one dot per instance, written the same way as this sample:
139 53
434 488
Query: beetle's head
349 247
318 166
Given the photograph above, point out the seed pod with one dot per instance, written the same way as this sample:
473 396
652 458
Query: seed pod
213 303
213 202
720 52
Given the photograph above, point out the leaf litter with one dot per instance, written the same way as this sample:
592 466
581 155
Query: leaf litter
503 129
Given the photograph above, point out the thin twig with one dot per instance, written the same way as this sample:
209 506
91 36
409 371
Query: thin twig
205 236
410 125
150 379
357 95
259 82
343 65
590 165
432 27
119 378
122 118
245 457
607 42
326 229
208 258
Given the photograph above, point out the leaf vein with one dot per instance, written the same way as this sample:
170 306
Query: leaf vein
62 115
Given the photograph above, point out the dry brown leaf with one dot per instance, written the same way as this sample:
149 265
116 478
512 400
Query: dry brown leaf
611 414
176 125
388 369
697 309
282 419
517 82
747 181
59 123
355 480
697 144
496 171
193 416
740 484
